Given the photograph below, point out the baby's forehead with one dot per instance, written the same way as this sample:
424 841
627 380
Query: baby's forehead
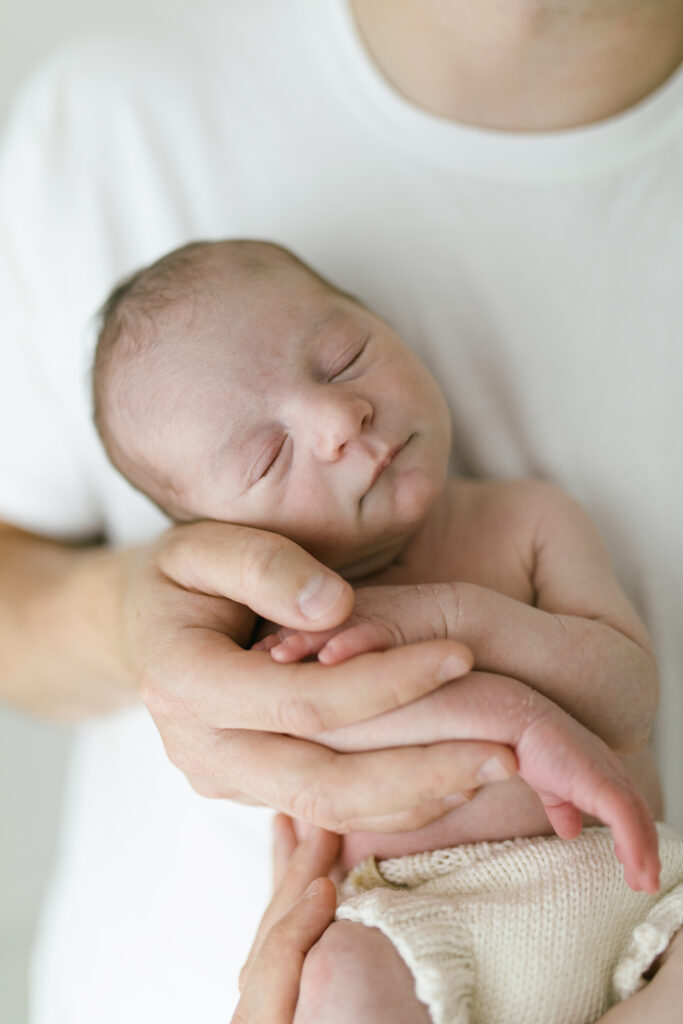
234 376
268 337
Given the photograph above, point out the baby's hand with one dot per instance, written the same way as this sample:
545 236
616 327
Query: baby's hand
332 645
570 769
383 617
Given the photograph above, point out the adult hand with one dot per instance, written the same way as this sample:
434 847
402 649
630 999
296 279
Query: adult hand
234 721
301 909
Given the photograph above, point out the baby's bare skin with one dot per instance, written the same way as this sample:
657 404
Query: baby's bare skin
536 601
330 432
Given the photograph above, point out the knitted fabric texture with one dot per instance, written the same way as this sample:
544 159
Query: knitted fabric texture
540 930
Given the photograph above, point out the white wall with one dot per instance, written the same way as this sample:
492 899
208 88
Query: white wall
33 754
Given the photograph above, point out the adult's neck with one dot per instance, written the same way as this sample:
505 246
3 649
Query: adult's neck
523 65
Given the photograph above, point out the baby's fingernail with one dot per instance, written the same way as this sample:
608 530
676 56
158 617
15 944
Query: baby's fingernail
452 668
493 770
320 594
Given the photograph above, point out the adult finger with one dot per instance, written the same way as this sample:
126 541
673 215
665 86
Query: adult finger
416 817
228 687
341 791
311 858
271 987
285 843
270 574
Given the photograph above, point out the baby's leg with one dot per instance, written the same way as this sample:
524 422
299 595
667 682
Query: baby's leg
354 973
661 1001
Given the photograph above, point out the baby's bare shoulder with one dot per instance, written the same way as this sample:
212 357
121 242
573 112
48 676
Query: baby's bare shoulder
513 503
494 531
501 526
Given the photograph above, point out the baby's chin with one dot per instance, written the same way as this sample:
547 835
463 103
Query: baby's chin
358 561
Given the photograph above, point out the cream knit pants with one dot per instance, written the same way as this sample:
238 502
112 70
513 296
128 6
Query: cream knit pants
526 931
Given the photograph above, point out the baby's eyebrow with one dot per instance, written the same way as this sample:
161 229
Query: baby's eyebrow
322 323
238 439
234 441
237 451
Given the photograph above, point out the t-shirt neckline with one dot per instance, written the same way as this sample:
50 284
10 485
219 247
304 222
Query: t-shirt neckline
599 148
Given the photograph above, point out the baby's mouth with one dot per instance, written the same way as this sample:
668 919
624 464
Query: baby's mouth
386 461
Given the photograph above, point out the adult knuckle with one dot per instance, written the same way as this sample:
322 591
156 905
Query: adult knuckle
211 786
184 757
259 556
171 547
154 695
315 804
300 715
204 786
187 750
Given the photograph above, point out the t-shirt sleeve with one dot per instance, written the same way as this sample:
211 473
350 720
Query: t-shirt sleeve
46 440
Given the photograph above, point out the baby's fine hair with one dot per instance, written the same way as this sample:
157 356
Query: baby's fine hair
138 313
147 311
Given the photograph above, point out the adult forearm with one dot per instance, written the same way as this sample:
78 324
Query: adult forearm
59 652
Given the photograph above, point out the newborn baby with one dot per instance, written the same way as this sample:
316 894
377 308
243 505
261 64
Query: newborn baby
232 382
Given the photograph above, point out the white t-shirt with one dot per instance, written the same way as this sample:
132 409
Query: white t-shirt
539 275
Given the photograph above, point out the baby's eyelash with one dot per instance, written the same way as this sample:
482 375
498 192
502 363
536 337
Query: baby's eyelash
274 459
351 361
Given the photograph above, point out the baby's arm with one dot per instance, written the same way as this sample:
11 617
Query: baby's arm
570 769
580 643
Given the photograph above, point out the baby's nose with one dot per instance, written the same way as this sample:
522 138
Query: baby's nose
338 421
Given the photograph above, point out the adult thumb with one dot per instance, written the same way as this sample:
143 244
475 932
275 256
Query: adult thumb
271 988
268 573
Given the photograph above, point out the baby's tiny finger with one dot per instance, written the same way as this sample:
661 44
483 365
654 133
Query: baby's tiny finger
288 650
357 639
299 645
266 643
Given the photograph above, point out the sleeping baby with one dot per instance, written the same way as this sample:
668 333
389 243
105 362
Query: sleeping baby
233 383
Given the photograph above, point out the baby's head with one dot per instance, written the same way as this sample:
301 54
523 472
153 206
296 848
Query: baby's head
231 382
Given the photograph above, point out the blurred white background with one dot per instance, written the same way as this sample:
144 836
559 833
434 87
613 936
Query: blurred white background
33 755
